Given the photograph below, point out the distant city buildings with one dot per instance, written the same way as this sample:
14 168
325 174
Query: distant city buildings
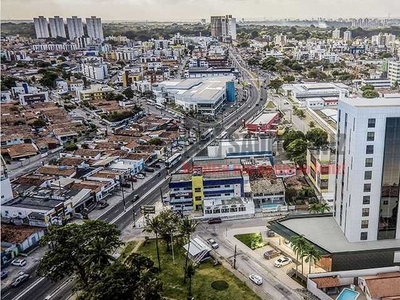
94 28
394 72
223 27
75 27
57 27
336 34
347 35
41 27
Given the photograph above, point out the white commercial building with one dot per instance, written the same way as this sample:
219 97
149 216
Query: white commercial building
94 28
75 27
368 169
394 72
57 27
41 27
95 71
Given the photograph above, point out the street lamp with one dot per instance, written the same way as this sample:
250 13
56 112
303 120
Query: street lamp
134 218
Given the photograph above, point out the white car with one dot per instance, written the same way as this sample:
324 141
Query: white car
139 176
18 262
283 261
257 279
213 243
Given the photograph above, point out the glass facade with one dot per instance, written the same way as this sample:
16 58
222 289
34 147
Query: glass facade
389 202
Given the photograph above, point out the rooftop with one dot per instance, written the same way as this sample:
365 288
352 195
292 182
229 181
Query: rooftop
267 186
330 237
17 234
384 285
374 102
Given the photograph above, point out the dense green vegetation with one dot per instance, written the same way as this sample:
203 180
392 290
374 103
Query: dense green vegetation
251 240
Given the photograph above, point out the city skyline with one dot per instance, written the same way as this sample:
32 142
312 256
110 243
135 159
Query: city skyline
136 10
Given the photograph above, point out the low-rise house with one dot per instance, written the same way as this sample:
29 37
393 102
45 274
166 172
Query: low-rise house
268 194
21 151
60 171
24 237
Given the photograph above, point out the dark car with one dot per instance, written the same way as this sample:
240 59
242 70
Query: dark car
151 170
215 221
20 279
4 274
133 179
126 185
135 197
157 166
103 205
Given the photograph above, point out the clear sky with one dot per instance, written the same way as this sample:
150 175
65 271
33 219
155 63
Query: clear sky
198 9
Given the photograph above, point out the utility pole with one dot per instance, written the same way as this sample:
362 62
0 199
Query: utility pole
134 217
234 258
122 190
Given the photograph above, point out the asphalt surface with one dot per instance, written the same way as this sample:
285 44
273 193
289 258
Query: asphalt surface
122 215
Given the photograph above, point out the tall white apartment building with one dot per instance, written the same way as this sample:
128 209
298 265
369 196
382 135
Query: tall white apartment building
41 27
75 28
368 169
336 34
347 35
57 27
94 28
223 27
94 68
394 72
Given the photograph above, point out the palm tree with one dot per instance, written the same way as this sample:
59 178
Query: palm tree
314 208
188 227
190 271
99 252
299 245
154 226
312 255
324 207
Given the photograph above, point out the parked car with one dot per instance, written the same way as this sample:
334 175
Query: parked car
126 185
103 205
143 173
215 221
257 279
4 274
283 261
18 262
20 279
213 243
157 166
140 176
270 233
132 178
271 254
151 170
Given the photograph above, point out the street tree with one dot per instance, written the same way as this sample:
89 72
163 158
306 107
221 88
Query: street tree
299 246
187 228
370 94
75 250
154 226
312 256
275 84
317 137
296 151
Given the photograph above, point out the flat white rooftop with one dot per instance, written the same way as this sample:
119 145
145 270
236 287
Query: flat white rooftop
373 102
326 233
264 118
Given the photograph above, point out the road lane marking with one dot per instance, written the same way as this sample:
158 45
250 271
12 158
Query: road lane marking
24 292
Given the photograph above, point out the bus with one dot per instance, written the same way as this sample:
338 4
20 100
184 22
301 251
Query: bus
207 134
174 159
222 136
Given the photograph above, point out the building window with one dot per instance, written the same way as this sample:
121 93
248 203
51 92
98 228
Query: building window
197 198
233 209
385 202
242 208
371 123
227 194
368 162
225 210
208 211
367 187
197 190
364 224
217 211
364 236
227 185
365 212
369 149
366 200
368 175
370 136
